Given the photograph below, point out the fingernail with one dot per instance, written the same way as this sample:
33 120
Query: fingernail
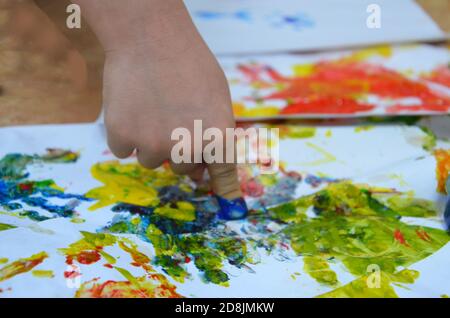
234 209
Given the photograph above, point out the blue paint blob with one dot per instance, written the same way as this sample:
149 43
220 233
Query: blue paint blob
232 209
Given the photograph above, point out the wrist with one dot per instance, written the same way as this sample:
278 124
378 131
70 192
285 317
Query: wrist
135 25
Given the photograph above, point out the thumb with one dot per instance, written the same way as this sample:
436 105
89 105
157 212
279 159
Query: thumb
224 180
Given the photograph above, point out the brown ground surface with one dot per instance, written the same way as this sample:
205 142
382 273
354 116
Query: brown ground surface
44 78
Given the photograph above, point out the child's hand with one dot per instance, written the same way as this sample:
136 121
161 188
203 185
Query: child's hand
147 95
159 76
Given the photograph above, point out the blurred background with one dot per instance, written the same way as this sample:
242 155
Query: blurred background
50 74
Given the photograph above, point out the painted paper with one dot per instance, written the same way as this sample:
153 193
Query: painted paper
334 221
381 81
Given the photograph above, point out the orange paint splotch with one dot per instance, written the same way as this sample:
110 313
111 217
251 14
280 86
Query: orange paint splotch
342 86
142 287
22 265
442 168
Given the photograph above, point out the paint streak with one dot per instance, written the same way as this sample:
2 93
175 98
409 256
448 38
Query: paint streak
21 266
239 15
442 168
429 141
43 274
340 86
326 156
141 287
4 227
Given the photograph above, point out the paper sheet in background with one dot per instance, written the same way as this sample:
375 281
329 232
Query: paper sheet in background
261 26
380 81
112 249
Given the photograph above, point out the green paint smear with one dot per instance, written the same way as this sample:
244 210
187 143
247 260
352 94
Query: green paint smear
362 288
407 120
429 141
410 206
43 274
3 260
207 253
356 227
319 269
13 166
77 220
4 227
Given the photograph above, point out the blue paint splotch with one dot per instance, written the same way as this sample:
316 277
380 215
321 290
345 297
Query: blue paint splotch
239 15
295 21
24 197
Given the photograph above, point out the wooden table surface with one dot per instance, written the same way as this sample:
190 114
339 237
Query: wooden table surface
43 79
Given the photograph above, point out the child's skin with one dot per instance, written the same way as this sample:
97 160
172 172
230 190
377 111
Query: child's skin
159 75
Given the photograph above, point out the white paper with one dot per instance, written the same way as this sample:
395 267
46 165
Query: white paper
390 156
261 26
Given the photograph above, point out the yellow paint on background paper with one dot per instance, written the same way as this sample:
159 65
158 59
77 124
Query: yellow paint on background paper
362 55
240 110
303 70
364 128
327 157
296 132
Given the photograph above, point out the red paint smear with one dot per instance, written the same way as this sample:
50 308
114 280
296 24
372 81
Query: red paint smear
327 105
440 75
398 235
423 235
252 188
71 274
334 87
108 265
187 260
88 257
284 245
26 186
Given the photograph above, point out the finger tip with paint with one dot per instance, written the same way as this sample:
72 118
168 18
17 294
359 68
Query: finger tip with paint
232 209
